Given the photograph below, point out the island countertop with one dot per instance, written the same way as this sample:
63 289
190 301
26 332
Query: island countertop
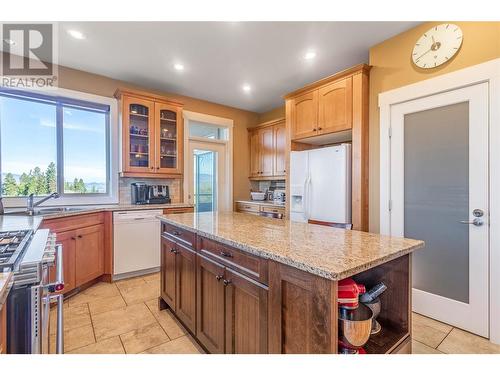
328 252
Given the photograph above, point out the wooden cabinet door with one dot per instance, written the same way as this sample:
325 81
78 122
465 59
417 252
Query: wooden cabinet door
168 271
254 153
138 135
185 306
279 150
89 254
68 241
304 113
168 139
210 304
246 315
266 151
335 106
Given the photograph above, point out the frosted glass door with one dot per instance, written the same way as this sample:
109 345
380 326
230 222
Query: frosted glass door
439 194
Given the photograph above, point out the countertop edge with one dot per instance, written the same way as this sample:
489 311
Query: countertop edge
287 261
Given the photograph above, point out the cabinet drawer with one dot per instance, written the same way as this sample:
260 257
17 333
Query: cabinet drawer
249 265
178 210
73 222
185 237
274 210
247 207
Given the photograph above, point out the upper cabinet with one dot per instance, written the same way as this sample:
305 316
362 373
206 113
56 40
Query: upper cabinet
325 108
267 150
151 135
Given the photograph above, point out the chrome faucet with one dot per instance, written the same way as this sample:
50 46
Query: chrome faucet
30 205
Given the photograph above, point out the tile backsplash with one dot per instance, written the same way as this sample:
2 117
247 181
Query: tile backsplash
174 188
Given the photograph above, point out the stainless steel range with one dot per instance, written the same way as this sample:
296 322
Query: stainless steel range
30 256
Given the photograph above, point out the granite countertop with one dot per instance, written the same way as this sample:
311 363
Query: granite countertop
328 252
5 285
92 209
263 203
14 222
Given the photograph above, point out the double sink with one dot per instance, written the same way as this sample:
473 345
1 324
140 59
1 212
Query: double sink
44 211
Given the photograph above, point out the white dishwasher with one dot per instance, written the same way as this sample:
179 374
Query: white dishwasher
136 242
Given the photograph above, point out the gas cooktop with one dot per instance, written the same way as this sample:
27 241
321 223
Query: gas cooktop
12 246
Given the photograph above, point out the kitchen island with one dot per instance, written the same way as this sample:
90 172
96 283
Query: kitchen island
246 284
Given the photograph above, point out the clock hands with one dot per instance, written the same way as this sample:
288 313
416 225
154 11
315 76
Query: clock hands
423 54
434 47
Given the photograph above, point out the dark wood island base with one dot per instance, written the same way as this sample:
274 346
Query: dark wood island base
233 301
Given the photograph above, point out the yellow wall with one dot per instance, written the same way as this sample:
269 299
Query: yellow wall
100 85
273 114
392 68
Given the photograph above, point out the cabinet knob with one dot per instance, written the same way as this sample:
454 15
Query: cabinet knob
79 236
227 255
226 282
158 168
151 167
314 129
175 233
73 238
218 277
320 128
172 250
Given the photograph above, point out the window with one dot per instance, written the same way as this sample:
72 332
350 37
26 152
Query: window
50 143
205 130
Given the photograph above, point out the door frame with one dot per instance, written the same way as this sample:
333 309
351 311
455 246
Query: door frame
219 121
488 72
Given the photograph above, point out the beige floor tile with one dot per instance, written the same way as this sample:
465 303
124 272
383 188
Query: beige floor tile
110 346
130 283
152 278
97 291
119 321
74 338
103 304
140 292
74 317
143 338
429 331
461 342
168 322
419 348
181 345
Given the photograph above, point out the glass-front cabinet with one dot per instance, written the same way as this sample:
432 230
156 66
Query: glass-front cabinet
168 138
152 137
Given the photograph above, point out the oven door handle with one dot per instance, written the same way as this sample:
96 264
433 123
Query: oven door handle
58 286
60 323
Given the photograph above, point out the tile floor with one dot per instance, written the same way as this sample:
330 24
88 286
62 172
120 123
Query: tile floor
123 317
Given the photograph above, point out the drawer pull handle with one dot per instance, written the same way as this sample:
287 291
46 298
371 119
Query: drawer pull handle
226 282
218 277
227 255
176 233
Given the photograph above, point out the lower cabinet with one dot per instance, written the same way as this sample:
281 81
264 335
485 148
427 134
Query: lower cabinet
178 280
210 329
232 310
83 253
225 309
246 315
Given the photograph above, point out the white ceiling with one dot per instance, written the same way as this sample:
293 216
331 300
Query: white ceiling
220 57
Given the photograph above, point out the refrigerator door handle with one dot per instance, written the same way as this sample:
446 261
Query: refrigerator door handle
305 199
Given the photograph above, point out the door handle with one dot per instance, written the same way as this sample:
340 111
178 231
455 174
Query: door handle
477 222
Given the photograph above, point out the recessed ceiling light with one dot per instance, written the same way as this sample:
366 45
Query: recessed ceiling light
310 55
10 42
178 67
246 88
76 34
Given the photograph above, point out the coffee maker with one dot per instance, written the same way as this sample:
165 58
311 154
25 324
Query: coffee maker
143 193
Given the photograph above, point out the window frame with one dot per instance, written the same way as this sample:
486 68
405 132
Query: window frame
61 99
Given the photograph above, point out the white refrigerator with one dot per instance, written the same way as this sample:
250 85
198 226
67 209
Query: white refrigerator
320 184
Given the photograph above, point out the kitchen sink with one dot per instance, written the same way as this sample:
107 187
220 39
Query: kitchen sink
44 211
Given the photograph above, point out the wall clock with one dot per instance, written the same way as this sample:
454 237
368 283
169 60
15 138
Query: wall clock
437 45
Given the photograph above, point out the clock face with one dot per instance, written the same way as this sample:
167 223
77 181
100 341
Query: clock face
437 46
